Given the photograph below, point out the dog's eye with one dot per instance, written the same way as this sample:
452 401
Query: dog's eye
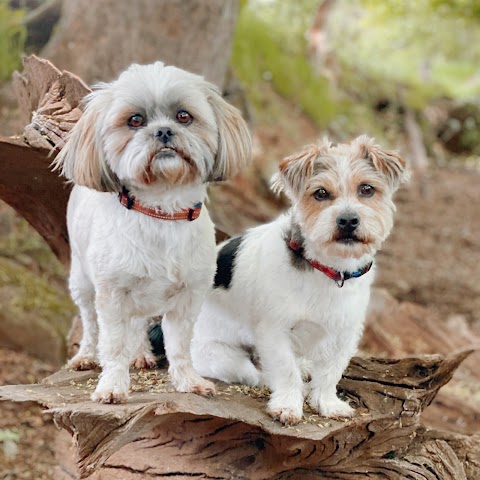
321 194
366 190
136 121
184 117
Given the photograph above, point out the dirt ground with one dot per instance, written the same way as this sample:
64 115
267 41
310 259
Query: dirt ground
433 254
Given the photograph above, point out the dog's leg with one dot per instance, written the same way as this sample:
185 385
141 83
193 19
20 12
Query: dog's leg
177 334
83 294
283 376
113 347
229 363
326 374
140 347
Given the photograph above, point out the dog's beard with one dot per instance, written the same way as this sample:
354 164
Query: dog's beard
330 241
169 165
146 163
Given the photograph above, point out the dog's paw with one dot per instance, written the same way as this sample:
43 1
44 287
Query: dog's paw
205 389
192 384
144 361
287 416
83 362
286 405
109 396
335 408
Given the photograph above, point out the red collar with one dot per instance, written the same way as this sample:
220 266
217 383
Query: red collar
338 277
131 203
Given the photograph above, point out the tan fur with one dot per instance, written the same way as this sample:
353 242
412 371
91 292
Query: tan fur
385 161
179 174
234 143
341 170
82 158
296 169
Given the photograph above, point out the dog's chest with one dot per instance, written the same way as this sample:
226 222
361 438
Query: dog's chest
325 306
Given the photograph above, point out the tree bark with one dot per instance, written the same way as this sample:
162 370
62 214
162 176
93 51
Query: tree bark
97 40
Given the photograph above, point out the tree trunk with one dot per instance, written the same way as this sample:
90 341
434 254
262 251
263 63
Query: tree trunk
97 40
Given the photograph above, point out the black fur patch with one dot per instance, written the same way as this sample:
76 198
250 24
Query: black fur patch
155 335
297 259
225 263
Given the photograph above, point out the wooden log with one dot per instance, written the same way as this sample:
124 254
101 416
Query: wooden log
50 102
163 433
34 192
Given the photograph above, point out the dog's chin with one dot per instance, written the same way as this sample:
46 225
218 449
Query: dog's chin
169 166
350 246
167 153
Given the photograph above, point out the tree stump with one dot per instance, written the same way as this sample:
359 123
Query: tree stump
162 433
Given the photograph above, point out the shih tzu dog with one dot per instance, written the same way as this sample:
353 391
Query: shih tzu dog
142 245
276 290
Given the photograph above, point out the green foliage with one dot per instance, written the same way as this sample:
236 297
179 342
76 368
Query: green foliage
269 46
421 48
12 39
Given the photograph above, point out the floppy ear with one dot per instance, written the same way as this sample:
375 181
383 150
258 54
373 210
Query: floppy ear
386 162
234 139
82 159
296 169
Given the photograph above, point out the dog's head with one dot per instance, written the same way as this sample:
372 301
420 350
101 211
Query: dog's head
155 124
342 195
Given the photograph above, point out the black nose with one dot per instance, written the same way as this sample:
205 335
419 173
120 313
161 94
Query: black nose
348 222
165 134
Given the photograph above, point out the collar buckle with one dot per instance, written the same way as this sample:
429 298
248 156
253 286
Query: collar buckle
340 281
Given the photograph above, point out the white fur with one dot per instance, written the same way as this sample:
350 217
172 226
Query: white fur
287 315
126 266
298 320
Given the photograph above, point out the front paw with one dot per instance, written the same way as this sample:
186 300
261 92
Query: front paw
109 396
192 383
83 362
287 416
286 407
112 387
332 407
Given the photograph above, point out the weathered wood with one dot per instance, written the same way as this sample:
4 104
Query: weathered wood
399 329
49 101
164 433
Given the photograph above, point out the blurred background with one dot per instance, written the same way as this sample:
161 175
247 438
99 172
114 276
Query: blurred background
407 73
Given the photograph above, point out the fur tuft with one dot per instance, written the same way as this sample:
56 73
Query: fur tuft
234 139
82 159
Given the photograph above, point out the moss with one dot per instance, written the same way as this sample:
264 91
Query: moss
26 292
22 243
12 39
261 56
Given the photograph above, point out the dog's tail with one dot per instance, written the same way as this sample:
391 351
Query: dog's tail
155 335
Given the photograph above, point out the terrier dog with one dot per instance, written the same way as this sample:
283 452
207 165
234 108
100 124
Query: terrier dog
276 290
141 157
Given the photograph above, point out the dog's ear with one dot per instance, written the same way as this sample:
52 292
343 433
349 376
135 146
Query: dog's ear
234 139
297 169
82 160
388 163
